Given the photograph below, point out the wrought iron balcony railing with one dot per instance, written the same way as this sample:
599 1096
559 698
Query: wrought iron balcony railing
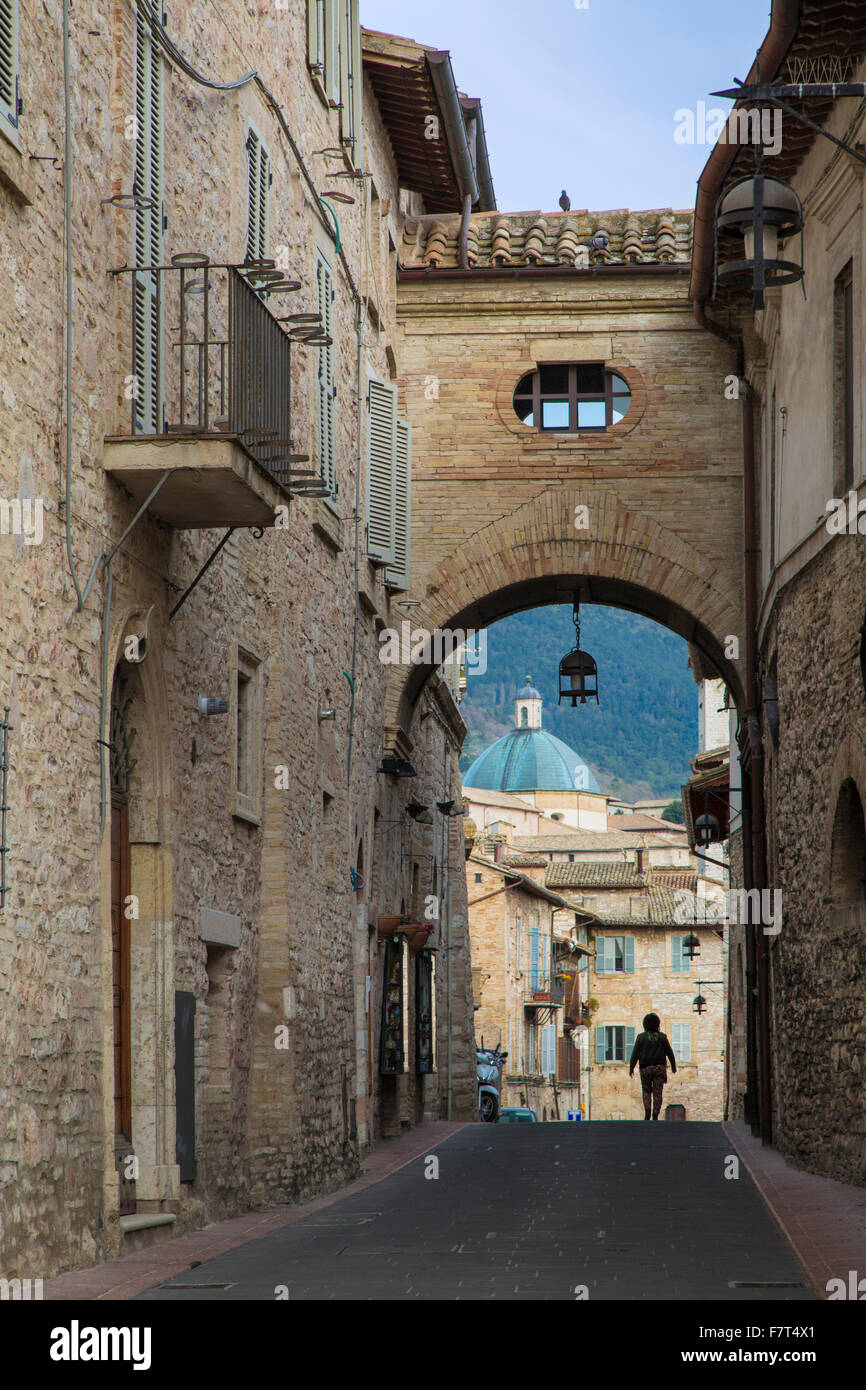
211 358
544 989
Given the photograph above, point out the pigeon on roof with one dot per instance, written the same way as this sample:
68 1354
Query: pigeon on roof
564 201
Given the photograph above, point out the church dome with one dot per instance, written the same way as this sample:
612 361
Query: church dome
530 760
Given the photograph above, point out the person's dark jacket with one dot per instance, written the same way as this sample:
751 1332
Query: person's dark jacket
650 1049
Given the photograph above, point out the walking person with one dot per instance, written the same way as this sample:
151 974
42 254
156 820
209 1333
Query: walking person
651 1049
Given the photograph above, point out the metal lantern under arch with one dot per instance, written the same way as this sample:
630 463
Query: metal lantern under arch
578 672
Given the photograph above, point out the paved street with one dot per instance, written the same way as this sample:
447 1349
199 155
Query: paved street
628 1210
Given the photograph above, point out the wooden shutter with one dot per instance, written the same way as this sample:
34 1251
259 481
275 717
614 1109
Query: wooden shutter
628 955
381 472
600 1043
351 79
184 1082
316 35
629 1042
533 957
398 576
148 231
681 963
326 438
9 67
258 200
681 1042
548 1049
602 963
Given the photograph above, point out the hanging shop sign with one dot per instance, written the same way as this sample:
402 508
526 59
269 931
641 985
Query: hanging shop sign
425 1022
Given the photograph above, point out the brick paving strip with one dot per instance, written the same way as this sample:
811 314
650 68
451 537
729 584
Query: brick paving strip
824 1221
121 1279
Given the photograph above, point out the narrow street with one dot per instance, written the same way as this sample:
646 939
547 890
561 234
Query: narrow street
624 1211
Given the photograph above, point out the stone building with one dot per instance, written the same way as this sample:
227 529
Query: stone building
640 963
527 944
204 529
799 1072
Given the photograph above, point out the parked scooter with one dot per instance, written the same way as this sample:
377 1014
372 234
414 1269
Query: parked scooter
489 1064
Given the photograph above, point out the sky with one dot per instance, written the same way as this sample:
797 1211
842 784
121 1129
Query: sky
584 98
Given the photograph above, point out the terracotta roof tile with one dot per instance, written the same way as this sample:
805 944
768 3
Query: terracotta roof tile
655 237
589 873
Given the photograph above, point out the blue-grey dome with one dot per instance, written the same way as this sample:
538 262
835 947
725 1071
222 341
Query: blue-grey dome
529 692
528 760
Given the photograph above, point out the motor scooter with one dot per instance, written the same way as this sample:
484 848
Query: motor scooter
489 1064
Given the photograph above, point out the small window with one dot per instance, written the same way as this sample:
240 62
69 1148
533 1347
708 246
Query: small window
843 381
681 1041
248 736
572 397
680 962
848 848
614 955
613 1043
478 878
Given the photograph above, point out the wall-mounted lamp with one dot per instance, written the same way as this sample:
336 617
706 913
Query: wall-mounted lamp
397 767
419 813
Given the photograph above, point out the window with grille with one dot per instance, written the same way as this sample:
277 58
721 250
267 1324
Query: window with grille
9 69
148 231
258 197
572 397
326 389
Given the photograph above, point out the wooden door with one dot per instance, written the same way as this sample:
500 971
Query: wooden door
120 972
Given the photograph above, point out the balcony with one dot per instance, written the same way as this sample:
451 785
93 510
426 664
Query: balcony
544 995
210 390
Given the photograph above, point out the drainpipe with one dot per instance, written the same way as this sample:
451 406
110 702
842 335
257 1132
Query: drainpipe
754 857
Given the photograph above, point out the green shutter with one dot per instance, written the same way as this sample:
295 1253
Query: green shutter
681 1042
148 232
9 67
325 383
381 472
258 197
397 577
629 1042
680 962
600 955
628 955
533 957
351 79
316 35
600 1043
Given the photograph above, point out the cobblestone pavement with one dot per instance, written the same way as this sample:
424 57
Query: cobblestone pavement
622 1210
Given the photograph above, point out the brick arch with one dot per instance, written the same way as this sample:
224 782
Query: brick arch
535 556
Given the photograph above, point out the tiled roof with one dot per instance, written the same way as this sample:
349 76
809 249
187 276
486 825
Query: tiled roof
586 840
590 873
674 878
656 237
525 861
641 821
657 907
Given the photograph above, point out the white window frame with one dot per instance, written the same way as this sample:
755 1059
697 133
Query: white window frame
9 97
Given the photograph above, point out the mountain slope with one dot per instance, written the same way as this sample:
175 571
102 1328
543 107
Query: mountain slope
639 739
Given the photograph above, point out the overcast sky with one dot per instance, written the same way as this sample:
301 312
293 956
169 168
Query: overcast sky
585 98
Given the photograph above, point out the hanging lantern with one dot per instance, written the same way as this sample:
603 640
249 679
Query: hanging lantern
691 946
762 211
578 673
699 1004
707 830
